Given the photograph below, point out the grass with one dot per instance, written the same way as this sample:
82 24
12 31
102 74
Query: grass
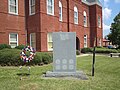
107 76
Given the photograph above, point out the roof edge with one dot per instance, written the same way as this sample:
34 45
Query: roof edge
92 3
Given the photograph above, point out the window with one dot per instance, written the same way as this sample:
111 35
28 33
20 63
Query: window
85 41
13 6
99 42
85 19
75 15
99 22
50 42
33 40
31 7
60 11
50 7
13 40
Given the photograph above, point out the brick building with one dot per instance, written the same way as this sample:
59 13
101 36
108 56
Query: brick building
12 22
33 22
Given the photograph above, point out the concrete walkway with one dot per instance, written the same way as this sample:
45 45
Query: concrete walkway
90 54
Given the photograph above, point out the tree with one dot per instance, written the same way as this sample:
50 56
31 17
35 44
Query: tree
114 35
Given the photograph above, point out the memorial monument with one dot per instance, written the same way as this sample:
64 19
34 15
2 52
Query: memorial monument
64 55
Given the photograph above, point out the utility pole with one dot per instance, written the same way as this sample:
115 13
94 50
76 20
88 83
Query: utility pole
93 64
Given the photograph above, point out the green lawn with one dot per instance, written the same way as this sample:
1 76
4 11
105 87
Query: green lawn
107 77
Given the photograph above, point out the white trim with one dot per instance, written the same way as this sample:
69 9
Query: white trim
31 39
75 11
30 13
85 15
16 8
99 21
49 42
91 3
52 8
60 6
85 37
100 44
13 41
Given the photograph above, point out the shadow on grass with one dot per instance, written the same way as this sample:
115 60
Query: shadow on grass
89 75
23 74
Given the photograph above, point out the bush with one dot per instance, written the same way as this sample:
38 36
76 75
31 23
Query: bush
13 59
20 47
86 50
77 52
2 46
99 47
106 50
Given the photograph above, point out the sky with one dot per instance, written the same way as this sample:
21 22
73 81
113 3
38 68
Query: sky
110 9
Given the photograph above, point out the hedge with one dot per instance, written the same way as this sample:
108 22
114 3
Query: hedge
3 46
20 47
99 50
86 50
11 57
77 52
106 50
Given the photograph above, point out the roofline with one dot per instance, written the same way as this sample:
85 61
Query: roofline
92 3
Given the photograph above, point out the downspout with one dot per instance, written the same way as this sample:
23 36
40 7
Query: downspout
26 30
68 15
39 25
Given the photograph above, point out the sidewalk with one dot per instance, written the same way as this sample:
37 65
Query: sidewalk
81 55
90 54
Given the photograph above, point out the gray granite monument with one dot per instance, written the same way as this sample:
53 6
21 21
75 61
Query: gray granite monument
64 55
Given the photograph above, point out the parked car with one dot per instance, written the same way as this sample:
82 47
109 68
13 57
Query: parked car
111 47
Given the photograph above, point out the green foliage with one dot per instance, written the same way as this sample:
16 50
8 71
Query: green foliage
2 46
86 50
114 35
20 47
99 50
99 47
118 50
105 50
46 58
13 59
77 52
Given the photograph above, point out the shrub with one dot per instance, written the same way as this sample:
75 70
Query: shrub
13 59
20 47
77 52
105 50
118 50
46 58
86 50
8 58
99 47
2 46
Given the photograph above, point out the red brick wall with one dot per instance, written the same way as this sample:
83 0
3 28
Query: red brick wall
41 23
10 23
95 31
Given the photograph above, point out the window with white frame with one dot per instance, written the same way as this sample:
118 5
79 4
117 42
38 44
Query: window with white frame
75 15
85 41
99 42
13 6
50 42
85 19
99 22
33 40
60 11
31 7
13 40
50 7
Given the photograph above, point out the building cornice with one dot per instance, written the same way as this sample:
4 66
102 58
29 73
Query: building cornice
92 3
